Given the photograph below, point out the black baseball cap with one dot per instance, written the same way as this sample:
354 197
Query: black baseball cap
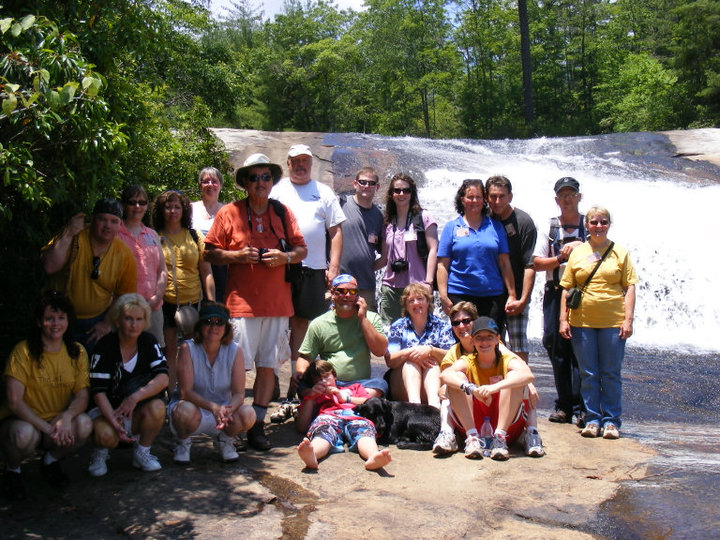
567 181
485 323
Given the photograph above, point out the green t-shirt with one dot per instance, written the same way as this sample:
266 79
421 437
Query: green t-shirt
341 342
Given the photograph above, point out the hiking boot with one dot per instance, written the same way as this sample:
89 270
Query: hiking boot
473 447
54 475
498 449
98 465
560 417
145 461
610 431
590 430
580 422
226 445
256 437
13 486
181 454
240 445
445 443
533 445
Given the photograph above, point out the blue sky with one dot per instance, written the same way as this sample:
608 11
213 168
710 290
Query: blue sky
271 8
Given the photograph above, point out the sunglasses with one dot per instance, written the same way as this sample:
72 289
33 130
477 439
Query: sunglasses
366 183
213 322
346 292
136 203
400 190
265 177
458 322
96 268
597 222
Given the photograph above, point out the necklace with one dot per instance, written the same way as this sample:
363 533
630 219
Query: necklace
259 226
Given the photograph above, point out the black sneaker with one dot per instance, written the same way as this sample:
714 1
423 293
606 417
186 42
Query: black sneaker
54 475
13 486
256 437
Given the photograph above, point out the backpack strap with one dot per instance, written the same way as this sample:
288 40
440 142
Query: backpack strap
419 226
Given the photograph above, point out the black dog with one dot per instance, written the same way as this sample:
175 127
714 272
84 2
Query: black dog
408 425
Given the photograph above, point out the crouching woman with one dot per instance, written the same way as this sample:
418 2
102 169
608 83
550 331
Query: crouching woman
47 393
128 374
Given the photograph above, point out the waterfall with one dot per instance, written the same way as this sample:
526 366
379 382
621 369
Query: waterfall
661 208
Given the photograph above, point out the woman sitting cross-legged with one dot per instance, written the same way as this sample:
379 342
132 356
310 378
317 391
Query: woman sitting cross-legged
127 379
335 423
417 344
211 378
489 383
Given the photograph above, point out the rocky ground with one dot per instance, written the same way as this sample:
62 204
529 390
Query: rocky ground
270 495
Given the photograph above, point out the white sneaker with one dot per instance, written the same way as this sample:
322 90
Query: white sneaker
533 445
144 460
98 457
473 448
445 443
181 454
226 445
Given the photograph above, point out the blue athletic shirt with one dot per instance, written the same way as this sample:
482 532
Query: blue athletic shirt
473 257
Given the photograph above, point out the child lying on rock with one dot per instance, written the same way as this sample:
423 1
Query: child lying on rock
335 423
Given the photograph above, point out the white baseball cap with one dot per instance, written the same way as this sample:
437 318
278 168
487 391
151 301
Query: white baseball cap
299 150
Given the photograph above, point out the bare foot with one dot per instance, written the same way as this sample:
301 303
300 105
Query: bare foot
378 459
307 454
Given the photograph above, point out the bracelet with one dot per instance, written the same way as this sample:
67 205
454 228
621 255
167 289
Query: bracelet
289 257
468 388
559 259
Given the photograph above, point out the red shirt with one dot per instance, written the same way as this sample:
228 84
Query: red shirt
255 290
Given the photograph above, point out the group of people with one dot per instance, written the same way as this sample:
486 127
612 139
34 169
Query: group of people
126 293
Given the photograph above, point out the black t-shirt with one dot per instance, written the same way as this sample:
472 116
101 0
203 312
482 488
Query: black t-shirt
108 375
521 235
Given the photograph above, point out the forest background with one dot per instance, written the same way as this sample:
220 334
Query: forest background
98 94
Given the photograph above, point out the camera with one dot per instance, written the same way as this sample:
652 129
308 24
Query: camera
399 265
261 252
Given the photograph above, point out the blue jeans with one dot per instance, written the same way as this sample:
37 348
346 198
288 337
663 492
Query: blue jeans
600 353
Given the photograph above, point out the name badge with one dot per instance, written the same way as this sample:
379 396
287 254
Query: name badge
510 229
462 231
410 235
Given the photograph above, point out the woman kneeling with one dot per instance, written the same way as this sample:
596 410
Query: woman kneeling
127 379
211 377
489 383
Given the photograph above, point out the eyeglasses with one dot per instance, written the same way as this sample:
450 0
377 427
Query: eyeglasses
597 222
96 268
345 292
209 181
366 183
458 322
214 321
401 190
135 203
265 177
567 196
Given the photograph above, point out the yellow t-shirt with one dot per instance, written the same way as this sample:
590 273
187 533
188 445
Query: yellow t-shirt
117 275
603 300
50 385
475 373
188 254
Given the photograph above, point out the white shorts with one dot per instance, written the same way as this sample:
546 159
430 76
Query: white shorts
207 422
259 339
95 412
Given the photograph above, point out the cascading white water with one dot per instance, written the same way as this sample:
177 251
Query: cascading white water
663 212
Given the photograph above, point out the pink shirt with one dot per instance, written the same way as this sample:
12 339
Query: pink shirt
148 257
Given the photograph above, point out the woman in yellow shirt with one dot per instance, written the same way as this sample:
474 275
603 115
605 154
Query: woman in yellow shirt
601 324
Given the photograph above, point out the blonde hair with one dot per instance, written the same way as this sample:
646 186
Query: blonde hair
129 301
415 288
594 211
